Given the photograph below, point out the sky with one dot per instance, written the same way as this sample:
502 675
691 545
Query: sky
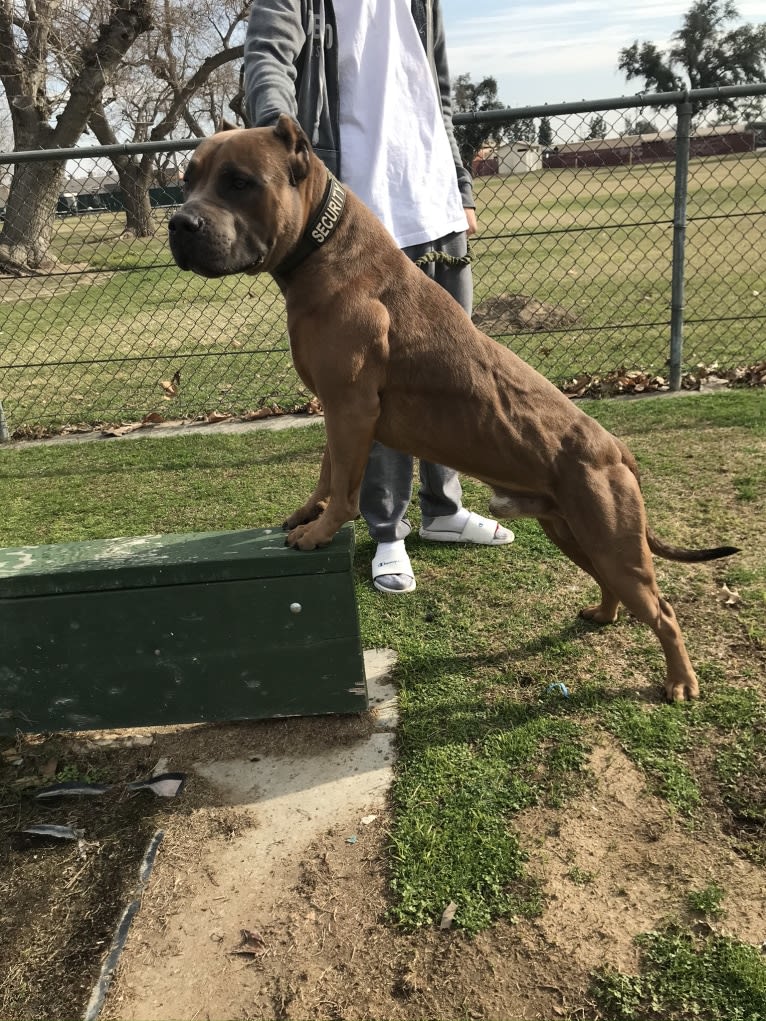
550 51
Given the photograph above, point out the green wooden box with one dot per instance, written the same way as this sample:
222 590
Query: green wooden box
169 629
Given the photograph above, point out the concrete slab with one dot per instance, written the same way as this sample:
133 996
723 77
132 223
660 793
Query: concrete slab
162 430
313 788
293 799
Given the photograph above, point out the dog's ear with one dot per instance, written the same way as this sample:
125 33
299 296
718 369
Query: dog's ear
224 125
297 145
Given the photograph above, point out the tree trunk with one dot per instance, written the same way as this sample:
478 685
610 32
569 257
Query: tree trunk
26 234
134 174
134 184
28 227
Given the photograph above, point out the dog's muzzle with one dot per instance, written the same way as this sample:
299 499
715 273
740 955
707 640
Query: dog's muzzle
198 244
183 228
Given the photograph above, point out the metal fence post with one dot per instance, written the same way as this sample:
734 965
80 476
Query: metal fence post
677 298
5 435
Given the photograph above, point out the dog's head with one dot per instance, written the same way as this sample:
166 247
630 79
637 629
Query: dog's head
244 200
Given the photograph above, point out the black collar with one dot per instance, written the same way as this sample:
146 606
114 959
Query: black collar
320 228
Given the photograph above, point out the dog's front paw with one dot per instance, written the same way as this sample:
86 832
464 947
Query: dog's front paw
305 537
304 515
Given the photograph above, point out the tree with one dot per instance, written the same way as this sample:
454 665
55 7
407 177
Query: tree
478 98
6 130
523 129
177 75
748 110
47 113
705 52
545 133
639 126
597 127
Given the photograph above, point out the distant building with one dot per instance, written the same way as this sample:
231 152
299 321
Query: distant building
519 158
659 146
509 158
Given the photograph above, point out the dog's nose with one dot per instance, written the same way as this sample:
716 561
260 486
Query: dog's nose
183 221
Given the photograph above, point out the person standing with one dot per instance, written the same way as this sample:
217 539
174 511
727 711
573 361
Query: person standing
368 82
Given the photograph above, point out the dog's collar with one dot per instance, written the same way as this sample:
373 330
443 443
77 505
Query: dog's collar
320 227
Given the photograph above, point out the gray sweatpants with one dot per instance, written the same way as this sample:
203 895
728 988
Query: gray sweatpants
387 484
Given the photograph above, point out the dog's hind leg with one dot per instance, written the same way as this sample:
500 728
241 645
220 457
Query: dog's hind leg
636 586
559 533
611 529
506 504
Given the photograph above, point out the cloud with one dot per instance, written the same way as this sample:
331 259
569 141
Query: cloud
563 37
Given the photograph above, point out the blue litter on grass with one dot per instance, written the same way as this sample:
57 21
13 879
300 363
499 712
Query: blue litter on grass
558 686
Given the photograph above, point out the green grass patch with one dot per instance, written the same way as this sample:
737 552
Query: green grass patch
707 901
687 976
657 739
451 840
490 636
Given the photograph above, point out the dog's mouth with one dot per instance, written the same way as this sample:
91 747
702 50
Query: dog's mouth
205 260
197 245
256 265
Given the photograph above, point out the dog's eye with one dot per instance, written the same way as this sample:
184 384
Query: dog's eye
233 178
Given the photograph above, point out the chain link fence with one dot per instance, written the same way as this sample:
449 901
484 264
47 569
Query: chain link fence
622 245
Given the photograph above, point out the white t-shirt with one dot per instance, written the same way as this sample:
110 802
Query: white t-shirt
395 154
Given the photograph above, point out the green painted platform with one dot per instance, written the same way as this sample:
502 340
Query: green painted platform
167 629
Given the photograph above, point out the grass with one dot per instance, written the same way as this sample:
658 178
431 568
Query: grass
687 976
485 645
93 342
707 901
600 245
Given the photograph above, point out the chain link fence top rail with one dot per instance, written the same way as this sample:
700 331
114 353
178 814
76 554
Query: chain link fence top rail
573 268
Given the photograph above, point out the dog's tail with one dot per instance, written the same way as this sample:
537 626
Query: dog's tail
689 556
664 549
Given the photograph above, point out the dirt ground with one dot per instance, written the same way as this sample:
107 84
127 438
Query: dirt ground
61 900
613 864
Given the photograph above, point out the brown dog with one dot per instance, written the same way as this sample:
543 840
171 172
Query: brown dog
392 357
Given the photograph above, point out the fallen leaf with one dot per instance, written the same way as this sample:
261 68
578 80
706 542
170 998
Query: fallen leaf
251 416
172 386
217 416
448 915
121 430
729 597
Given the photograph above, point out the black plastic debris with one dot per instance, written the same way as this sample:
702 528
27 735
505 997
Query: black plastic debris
165 785
43 833
71 789
101 988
